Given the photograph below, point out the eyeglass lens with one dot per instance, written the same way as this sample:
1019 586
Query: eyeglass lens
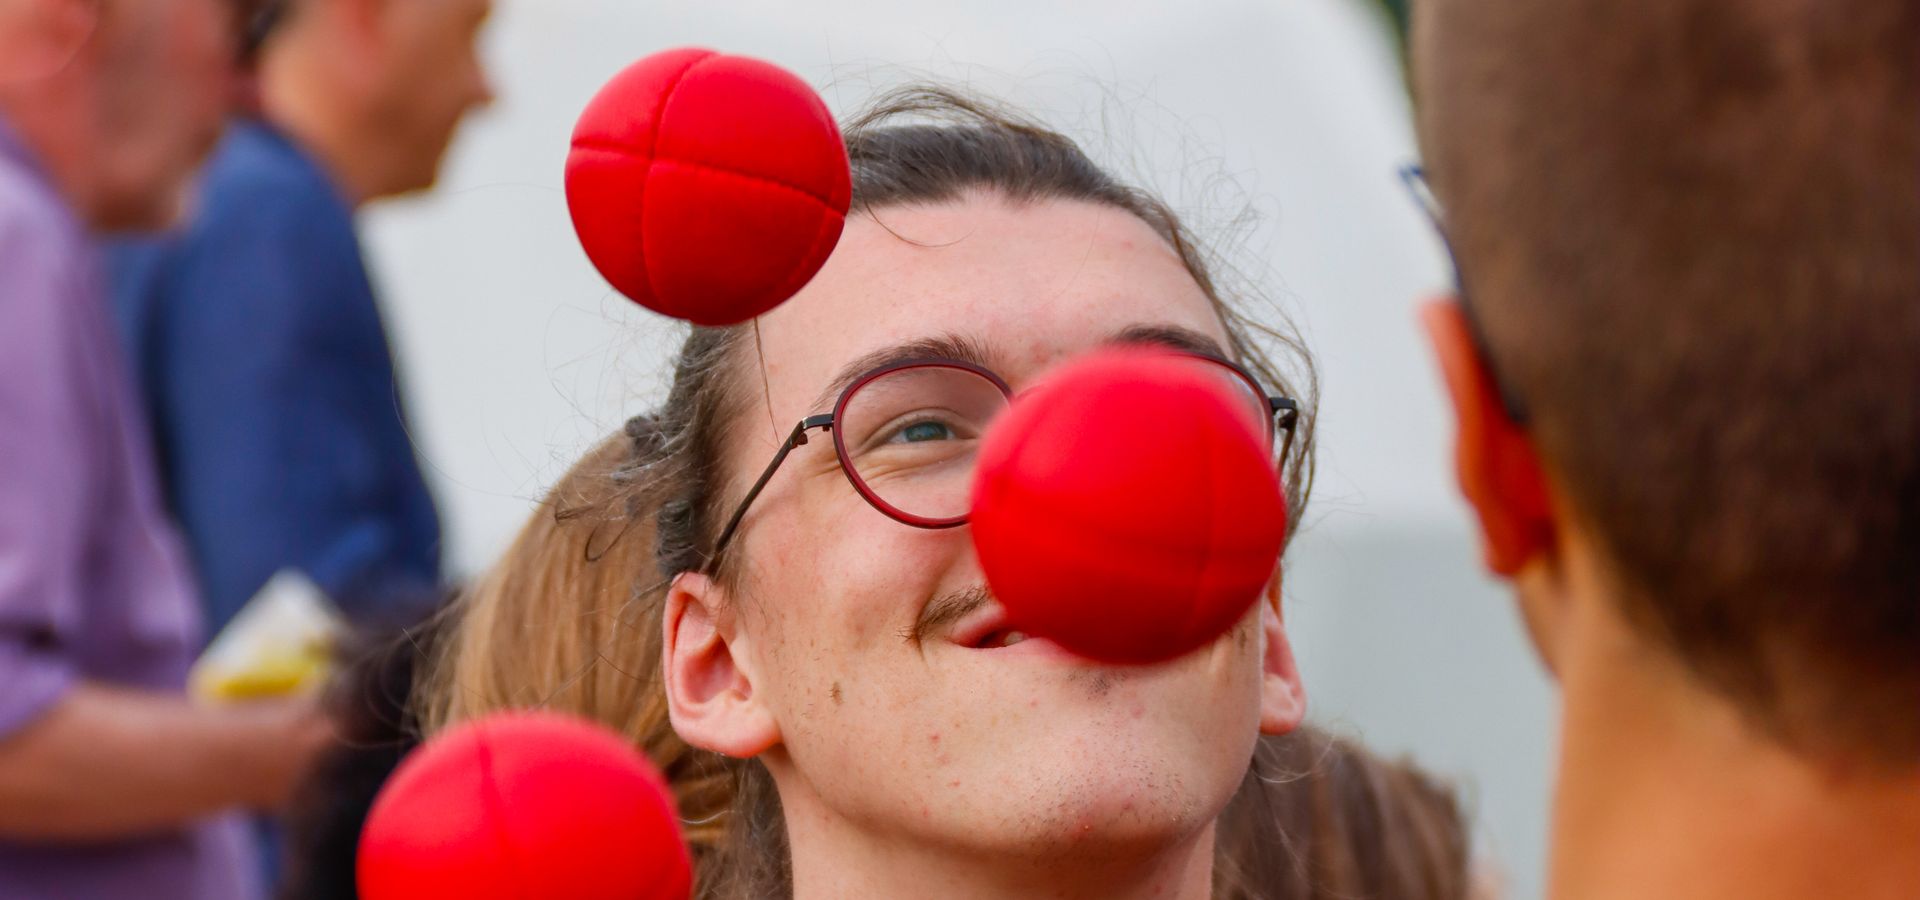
910 436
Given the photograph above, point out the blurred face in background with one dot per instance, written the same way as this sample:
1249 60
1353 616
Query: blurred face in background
426 77
166 70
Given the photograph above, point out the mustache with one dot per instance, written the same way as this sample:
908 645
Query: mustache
947 609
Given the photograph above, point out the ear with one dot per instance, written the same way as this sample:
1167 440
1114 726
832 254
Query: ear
706 665
1498 469
364 22
1283 701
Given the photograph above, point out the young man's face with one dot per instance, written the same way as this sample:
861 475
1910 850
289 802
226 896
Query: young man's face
930 738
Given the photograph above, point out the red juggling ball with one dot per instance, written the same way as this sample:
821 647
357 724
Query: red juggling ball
520 805
1128 507
707 187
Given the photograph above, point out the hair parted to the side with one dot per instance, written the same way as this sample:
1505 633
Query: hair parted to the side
1692 231
1293 831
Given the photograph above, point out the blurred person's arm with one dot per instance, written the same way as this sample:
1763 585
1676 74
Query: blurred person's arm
106 762
77 760
276 400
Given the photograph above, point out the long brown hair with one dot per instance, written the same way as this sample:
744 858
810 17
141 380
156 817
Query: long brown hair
545 630
555 624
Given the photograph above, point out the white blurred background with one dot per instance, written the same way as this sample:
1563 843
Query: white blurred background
516 356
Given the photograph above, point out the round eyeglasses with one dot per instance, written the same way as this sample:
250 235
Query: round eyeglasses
907 435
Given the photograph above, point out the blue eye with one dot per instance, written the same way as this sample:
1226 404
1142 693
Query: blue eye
920 432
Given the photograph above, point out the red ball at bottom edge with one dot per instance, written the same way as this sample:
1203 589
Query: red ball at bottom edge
520 805
1129 508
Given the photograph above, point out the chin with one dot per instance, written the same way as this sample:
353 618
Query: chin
1120 814
420 183
142 213
1121 755
424 172
1099 790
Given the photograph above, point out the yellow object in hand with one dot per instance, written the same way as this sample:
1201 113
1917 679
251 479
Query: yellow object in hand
282 643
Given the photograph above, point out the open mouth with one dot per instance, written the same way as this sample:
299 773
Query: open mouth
1005 637
973 620
987 628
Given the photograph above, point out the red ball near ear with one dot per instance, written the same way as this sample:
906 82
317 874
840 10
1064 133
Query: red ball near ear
707 187
1128 508
522 805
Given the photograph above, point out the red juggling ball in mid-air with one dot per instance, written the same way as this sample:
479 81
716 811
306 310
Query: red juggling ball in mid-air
707 187
522 805
1128 507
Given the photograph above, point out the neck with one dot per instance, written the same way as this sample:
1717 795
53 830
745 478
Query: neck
1665 791
299 79
833 858
50 118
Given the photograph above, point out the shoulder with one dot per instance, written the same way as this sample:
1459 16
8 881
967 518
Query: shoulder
36 226
269 217
258 179
44 250
252 156
47 282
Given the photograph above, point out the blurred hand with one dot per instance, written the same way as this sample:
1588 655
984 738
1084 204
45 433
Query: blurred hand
284 738
109 762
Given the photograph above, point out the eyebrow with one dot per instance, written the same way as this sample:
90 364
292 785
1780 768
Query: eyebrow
945 346
1178 337
968 350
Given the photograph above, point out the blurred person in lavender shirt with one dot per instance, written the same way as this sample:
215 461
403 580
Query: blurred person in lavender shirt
112 784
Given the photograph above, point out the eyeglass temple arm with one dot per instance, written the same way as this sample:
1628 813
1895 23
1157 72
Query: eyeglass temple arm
794 439
1289 412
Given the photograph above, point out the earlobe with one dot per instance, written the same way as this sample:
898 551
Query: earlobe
706 672
1496 464
1283 700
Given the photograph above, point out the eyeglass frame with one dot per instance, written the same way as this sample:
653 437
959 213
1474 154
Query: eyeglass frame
1284 412
1414 177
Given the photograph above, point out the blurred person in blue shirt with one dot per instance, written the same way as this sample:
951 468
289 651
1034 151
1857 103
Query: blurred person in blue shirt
255 334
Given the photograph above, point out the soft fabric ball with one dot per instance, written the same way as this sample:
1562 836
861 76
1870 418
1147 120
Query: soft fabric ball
707 187
522 805
1128 508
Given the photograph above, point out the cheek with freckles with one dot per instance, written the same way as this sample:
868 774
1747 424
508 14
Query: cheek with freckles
834 592
853 696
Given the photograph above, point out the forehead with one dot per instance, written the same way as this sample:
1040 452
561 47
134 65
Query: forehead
1030 283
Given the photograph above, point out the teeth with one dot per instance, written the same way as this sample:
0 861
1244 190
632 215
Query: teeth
1012 637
